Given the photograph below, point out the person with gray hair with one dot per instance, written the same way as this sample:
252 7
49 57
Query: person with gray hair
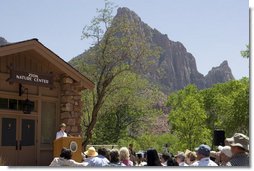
203 156
180 159
125 156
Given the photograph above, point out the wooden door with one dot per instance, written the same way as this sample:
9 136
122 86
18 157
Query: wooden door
8 140
18 140
27 142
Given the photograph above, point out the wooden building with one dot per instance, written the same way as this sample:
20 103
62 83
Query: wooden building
38 91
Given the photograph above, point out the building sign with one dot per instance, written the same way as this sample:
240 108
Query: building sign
45 80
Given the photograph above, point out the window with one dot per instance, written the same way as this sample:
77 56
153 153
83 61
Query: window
3 103
48 122
14 104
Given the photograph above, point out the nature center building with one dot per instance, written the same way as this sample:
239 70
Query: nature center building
38 91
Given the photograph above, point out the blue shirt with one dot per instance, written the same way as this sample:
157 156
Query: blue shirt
98 161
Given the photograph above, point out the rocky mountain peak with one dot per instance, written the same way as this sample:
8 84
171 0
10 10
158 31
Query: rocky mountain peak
176 67
219 74
224 64
3 41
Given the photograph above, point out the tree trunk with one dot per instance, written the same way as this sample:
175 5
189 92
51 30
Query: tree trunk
91 125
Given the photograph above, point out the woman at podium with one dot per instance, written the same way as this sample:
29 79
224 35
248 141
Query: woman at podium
62 132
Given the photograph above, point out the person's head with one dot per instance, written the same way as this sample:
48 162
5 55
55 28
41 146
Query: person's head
180 157
124 153
131 146
215 156
102 151
152 158
91 152
62 126
139 157
114 156
225 153
203 151
164 157
237 150
190 157
172 161
240 143
66 154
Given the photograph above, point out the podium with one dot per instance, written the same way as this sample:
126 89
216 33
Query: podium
72 143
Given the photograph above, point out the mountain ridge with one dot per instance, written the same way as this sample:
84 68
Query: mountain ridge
176 67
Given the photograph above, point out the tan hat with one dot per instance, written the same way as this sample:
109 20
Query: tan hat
240 140
62 125
91 152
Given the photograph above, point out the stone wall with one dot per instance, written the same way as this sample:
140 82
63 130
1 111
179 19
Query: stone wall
71 105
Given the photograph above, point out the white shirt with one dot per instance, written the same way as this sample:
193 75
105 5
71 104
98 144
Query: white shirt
58 161
183 164
60 134
143 163
204 162
164 164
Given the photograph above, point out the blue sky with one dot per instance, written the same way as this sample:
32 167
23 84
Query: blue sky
212 30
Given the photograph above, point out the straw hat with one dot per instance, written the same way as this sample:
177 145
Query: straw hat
62 125
91 152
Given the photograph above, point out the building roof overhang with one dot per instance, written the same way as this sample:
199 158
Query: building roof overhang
34 44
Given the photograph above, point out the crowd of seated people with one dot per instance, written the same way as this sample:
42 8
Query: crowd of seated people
234 153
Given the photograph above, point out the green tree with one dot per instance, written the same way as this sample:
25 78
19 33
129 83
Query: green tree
126 112
241 110
196 114
118 48
246 53
227 106
131 106
188 118
113 126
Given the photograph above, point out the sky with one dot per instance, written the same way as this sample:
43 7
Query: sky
211 30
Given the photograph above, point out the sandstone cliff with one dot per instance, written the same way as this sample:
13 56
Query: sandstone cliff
176 67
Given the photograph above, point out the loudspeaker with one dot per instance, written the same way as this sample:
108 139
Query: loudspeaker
219 137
